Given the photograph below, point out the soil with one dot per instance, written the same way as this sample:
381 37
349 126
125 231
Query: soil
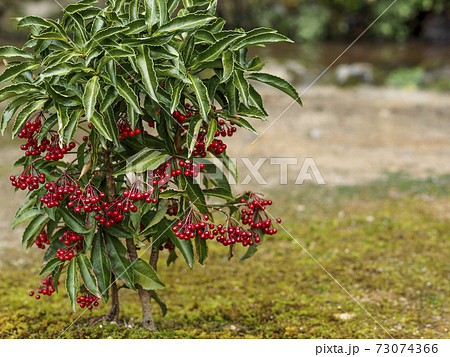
354 135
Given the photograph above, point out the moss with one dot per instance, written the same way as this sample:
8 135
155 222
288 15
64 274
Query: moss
386 243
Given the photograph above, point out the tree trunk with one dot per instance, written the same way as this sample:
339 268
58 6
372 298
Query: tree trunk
154 259
113 314
144 295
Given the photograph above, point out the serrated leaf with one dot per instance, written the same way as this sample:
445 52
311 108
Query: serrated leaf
211 132
11 52
201 93
228 66
51 265
202 249
121 266
99 123
25 216
86 274
146 276
12 72
194 129
242 86
32 21
71 128
90 95
128 94
63 69
108 100
72 281
278 83
259 39
147 71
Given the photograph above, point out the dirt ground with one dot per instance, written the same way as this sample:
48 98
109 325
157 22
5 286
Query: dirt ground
354 134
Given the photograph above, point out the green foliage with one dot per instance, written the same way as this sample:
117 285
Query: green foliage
105 72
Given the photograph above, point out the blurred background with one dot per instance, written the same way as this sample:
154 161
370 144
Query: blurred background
377 125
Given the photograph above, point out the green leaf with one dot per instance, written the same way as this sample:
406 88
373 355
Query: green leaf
63 69
51 265
72 281
242 85
72 221
258 40
228 65
176 96
211 132
119 232
161 304
128 94
108 100
33 21
194 129
245 124
147 71
278 83
185 247
25 114
184 23
143 161
220 192
11 110
86 274
214 51
146 276
25 216
71 128
99 123
101 265
12 72
151 14
202 249
250 252
201 92
63 118
11 51
159 215
90 96
121 266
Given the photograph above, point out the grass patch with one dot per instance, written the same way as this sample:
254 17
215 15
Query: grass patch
385 242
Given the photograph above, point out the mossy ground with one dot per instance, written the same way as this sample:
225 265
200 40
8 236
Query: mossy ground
386 243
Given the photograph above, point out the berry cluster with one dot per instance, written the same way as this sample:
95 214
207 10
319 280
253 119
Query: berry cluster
42 240
74 243
173 168
254 216
125 130
168 245
46 288
196 225
57 190
30 178
87 300
88 200
55 152
172 208
225 128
